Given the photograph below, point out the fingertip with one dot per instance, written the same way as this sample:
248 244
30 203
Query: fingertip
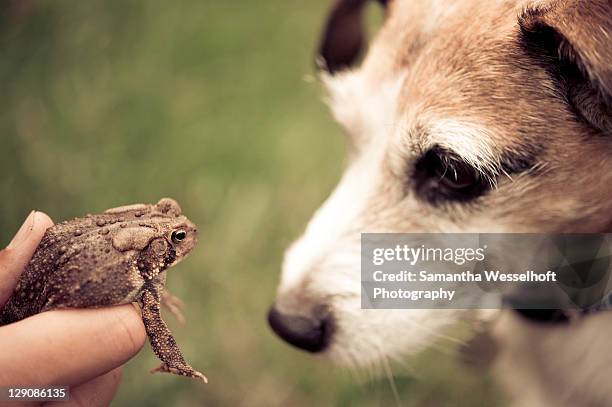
129 329
20 250
42 220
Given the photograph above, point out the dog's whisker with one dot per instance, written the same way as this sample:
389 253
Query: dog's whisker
434 332
449 338
389 373
445 348
507 175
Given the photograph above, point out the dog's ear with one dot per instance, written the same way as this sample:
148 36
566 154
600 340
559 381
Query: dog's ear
343 35
575 37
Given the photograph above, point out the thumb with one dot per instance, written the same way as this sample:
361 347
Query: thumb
18 253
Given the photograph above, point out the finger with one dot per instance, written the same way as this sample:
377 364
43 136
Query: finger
98 392
18 253
69 347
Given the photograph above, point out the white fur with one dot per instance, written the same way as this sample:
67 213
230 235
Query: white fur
323 266
363 108
471 141
562 365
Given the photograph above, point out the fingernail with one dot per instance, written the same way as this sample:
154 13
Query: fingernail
24 231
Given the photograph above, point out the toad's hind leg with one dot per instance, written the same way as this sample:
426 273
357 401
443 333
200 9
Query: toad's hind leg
161 338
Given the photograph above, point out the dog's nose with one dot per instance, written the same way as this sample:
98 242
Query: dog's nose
309 334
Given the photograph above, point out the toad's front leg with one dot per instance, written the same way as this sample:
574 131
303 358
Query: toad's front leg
161 338
173 304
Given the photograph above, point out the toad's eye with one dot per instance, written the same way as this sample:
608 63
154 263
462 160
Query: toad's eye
178 236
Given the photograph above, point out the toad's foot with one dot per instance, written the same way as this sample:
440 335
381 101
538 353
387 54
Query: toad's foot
182 371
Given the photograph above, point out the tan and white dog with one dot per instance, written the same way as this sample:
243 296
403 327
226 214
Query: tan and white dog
464 116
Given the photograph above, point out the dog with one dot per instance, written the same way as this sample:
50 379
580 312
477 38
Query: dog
463 116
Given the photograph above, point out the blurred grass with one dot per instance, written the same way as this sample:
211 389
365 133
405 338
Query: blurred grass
121 101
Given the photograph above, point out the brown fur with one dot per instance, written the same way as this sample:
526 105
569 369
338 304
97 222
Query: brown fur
475 64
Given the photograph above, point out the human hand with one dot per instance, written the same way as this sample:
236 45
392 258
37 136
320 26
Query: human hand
84 349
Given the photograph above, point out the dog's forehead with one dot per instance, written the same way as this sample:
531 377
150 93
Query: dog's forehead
462 66
465 80
412 27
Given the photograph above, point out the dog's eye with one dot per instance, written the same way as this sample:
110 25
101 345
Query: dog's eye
442 176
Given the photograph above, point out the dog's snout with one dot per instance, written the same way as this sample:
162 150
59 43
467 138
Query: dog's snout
309 334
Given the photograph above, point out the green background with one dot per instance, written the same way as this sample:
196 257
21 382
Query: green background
215 104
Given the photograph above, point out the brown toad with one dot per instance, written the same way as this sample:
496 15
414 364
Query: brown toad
117 257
